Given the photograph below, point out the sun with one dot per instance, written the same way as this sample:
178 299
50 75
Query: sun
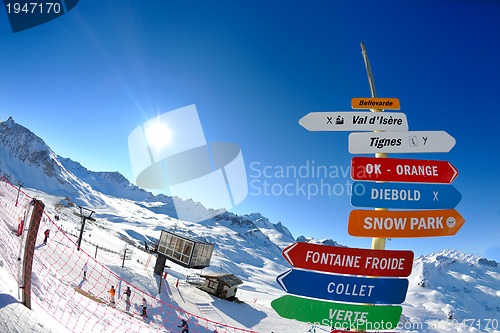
158 135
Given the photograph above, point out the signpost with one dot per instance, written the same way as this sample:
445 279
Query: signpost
390 135
354 121
404 195
375 103
402 170
394 224
401 142
344 288
344 260
332 314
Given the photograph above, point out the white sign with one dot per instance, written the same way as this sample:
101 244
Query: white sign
354 121
401 142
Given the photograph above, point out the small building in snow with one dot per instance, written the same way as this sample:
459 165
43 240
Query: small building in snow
186 251
222 285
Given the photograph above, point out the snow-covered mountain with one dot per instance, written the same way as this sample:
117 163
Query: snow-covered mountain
318 241
453 291
461 284
27 159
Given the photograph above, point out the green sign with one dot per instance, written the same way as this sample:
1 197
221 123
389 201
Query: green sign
339 315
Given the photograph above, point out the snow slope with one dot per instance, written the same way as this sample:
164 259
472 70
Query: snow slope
449 281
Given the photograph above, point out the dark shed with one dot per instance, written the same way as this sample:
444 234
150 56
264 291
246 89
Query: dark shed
222 285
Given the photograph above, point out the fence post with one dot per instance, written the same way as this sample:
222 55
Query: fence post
124 255
29 250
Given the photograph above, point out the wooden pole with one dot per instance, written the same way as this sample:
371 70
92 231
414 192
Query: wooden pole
124 255
377 243
29 250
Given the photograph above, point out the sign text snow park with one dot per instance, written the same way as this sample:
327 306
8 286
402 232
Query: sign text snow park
402 224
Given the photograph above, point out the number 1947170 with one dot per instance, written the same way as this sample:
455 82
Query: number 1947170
33 8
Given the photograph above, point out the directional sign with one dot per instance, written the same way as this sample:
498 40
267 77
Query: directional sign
375 103
344 288
344 260
404 195
415 223
360 317
402 170
354 121
401 142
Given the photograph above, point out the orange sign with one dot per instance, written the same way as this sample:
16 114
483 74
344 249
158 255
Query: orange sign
404 224
375 103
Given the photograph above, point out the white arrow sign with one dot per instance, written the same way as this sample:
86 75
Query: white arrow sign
401 142
354 121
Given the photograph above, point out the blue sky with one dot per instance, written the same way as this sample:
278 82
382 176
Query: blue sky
84 81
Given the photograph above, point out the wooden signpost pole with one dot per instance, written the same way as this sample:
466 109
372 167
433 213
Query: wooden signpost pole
377 243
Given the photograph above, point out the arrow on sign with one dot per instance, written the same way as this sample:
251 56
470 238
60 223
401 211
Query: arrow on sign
402 170
393 224
401 142
344 288
354 121
404 195
344 260
354 316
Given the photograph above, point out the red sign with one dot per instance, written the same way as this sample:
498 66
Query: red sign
345 260
402 170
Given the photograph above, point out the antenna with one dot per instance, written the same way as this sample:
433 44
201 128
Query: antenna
371 81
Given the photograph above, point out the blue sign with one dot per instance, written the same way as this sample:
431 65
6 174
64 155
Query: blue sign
404 195
344 288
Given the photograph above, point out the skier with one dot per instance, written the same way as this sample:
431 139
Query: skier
46 233
127 294
85 269
112 293
184 326
144 307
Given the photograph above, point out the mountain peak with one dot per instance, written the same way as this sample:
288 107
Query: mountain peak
9 122
329 242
